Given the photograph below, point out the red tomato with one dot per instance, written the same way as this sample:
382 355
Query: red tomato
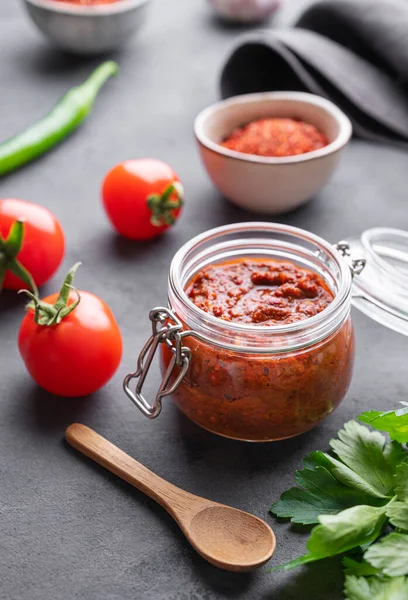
77 356
135 199
43 242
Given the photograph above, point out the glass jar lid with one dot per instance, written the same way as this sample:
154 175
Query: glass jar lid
380 290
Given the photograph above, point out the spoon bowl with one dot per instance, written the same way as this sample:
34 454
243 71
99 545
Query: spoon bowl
222 534
228 538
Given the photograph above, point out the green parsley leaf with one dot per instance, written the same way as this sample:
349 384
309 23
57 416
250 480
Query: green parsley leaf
394 422
363 568
365 475
401 481
344 474
342 532
397 512
320 493
350 528
390 555
369 455
376 588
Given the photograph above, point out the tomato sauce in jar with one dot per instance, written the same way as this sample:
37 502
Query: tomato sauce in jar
259 292
256 342
262 397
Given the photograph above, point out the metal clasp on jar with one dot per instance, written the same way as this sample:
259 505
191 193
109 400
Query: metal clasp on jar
167 329
356 264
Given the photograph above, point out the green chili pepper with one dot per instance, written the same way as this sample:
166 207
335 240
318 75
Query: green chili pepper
64 118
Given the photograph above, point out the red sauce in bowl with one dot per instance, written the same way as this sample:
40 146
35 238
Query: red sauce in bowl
88 2
261 396
276 137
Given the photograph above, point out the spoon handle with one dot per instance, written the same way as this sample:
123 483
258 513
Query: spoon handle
176 501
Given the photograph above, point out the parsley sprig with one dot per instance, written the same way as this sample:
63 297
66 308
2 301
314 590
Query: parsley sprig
357 498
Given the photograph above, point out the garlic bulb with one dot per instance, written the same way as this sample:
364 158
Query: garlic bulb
245 10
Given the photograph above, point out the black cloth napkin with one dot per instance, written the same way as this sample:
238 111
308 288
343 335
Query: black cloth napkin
354 52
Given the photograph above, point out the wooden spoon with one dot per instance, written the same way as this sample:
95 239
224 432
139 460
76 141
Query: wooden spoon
227 537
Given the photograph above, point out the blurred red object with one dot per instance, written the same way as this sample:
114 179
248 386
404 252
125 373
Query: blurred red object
88 2
245 10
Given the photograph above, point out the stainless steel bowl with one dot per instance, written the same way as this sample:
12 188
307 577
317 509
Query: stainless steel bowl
87 29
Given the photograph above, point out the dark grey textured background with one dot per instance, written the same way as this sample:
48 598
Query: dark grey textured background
69 530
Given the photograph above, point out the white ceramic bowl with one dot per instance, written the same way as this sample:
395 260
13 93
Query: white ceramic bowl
270 185
87 29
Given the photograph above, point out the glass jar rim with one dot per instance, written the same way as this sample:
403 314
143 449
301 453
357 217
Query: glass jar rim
319 324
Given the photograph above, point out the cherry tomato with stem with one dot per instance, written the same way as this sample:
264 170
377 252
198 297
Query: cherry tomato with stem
142 198
32 244
70 342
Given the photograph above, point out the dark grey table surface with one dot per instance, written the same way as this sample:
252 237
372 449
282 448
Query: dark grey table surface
68 529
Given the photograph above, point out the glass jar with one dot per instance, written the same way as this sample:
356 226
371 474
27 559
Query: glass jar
253 382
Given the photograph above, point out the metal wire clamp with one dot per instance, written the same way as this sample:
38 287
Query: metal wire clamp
167 329
356 265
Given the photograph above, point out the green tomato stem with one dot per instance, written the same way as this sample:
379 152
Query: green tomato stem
9 250
162 206
48 315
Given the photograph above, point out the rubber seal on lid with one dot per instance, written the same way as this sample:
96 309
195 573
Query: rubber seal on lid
381 289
